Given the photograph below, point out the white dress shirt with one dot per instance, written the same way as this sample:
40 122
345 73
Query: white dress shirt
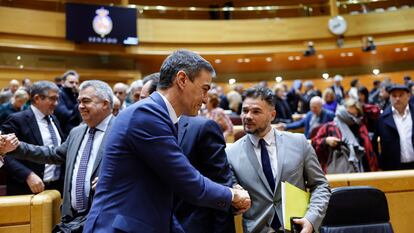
97 141
404 125
270 140
52 171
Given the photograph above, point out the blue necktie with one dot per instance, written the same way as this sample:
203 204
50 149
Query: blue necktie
83 167
267 170
51 131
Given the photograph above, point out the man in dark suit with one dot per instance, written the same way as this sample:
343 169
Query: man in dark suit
202 142
338 89
83 149
16 104
143 165
36 125
395 128
67 110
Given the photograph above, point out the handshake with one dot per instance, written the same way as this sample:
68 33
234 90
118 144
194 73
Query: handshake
8 142
241 199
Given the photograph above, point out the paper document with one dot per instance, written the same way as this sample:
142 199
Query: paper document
295 203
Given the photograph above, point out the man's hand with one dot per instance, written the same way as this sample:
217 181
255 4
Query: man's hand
241 200
280 126
306 225
332 141
9 143
35 183
94 183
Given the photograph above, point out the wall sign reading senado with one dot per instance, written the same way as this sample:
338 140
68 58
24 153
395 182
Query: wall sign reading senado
101 24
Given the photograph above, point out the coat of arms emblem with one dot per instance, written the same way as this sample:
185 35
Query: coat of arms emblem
102 23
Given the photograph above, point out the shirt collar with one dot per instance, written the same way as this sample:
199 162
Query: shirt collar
38 114
406 111
269 138
171 111
103 125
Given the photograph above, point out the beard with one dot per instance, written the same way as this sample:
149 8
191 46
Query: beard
256 131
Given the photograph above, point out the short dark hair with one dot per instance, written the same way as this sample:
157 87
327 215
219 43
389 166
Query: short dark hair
155 79
191 63
263 93
42 88
69 72
354 82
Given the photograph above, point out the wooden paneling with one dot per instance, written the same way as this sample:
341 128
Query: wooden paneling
15 209
16 229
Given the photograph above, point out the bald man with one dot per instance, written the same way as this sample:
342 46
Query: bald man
314 118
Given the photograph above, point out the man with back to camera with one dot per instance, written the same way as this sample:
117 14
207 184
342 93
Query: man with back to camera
264 158
143 165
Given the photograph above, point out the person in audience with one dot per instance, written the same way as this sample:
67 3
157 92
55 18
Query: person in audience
67 109
36 125
395 129
293 96
329 99
347 128
150 85
282 108
235 100
374 94
308 94
265 157
117 106
139 172
120 91
353 91
6 95
384 96
224 102
313 119
26 84
82 151
16 104
338 89
134 92
215 113
203 143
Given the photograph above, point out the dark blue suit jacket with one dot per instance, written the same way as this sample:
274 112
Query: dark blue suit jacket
24 125
142 167
390 157
326 116
67 110
202 142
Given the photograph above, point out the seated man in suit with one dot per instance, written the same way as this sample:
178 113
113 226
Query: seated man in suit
202 142
83 149
314 118
143 165
265 157
36 125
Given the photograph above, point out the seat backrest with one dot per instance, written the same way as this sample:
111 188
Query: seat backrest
357 208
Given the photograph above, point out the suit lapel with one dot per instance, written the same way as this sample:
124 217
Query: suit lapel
182 128
77 141
251 155
34 128
388 119
280 153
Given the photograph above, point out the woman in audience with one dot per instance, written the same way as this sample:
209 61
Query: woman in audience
217 114
283 112
329 99
346 129
235 100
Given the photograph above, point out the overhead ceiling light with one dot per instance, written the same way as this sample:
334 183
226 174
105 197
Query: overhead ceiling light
232 81
269 59
18 58
21 66
192 8
374 52
320 56
146 7
297 58
279 79
250 8
350 54
246 60
217 61
405 49
376 71
240 60
397 50
161 8
325 75
343 54
291 58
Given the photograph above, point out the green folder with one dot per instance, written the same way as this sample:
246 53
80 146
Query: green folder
295 203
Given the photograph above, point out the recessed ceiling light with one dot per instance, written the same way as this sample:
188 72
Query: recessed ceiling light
232 81
376 71
279 79
192 8
297 58
374 52
291 58
320 56
18 58
397 50
405 49
250 8
343 54
325 75
247 60
21 66
350 54
217 61
269 59
240 60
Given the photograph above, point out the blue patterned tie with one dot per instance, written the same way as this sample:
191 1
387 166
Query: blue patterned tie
51 131
83 167
267 170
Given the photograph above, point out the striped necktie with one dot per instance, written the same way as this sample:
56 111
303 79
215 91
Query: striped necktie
51 131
